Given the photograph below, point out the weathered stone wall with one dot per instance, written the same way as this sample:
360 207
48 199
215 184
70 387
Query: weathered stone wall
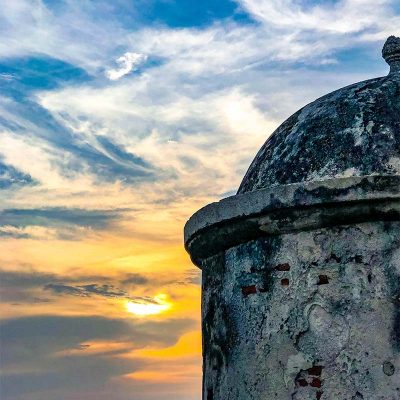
305 315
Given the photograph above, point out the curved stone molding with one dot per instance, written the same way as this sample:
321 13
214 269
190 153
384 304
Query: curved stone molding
287 208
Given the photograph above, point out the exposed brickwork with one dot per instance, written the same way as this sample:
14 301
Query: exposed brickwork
316 370
323 280
283 267
316 382
248 290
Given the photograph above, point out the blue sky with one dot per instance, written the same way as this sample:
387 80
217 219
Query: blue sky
118 120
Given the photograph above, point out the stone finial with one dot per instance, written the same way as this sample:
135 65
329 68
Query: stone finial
391 53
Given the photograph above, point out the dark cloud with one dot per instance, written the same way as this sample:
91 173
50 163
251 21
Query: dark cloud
59 333
94 289
118 153
67 378
30 278
87 290
56 333
65 289
60 216
25 279
27 286
21 287
14 235
11 177
36 350
134 280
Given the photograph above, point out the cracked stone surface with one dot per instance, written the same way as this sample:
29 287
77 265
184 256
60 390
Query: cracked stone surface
335 338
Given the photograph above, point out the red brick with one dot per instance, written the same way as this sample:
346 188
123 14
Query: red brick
316 382
316 370
283 267
247 290
323 280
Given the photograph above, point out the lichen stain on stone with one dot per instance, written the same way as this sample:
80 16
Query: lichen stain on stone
355 127
272 342
388 368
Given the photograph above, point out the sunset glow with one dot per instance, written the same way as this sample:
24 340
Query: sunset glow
119 120
150 308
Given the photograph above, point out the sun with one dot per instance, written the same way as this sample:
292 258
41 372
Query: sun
157 306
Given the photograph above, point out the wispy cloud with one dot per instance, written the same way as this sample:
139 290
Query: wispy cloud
9 176
25 286
93 289
60 223
127 63
336 17
117 122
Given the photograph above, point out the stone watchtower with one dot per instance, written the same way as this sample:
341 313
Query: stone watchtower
301 268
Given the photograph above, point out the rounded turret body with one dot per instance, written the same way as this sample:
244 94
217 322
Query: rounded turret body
301 269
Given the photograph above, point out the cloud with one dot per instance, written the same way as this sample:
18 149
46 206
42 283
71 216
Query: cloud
57 223
64 157
193 277
183 139
120 155
341 17
65 289
33 282
87 290
55 216
9 231
36 360
134 280
226 75
127 63
25 285
138 304
9 177
25 279
66 31
162 132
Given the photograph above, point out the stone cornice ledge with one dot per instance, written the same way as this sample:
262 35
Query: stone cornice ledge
289 208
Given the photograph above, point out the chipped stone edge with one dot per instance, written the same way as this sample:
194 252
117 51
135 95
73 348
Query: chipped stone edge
302 196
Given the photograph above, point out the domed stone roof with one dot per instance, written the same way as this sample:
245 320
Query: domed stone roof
354 131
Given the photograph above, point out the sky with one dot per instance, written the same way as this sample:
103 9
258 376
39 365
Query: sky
118 120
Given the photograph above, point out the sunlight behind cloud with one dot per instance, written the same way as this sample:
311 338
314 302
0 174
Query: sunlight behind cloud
118 131
143 309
